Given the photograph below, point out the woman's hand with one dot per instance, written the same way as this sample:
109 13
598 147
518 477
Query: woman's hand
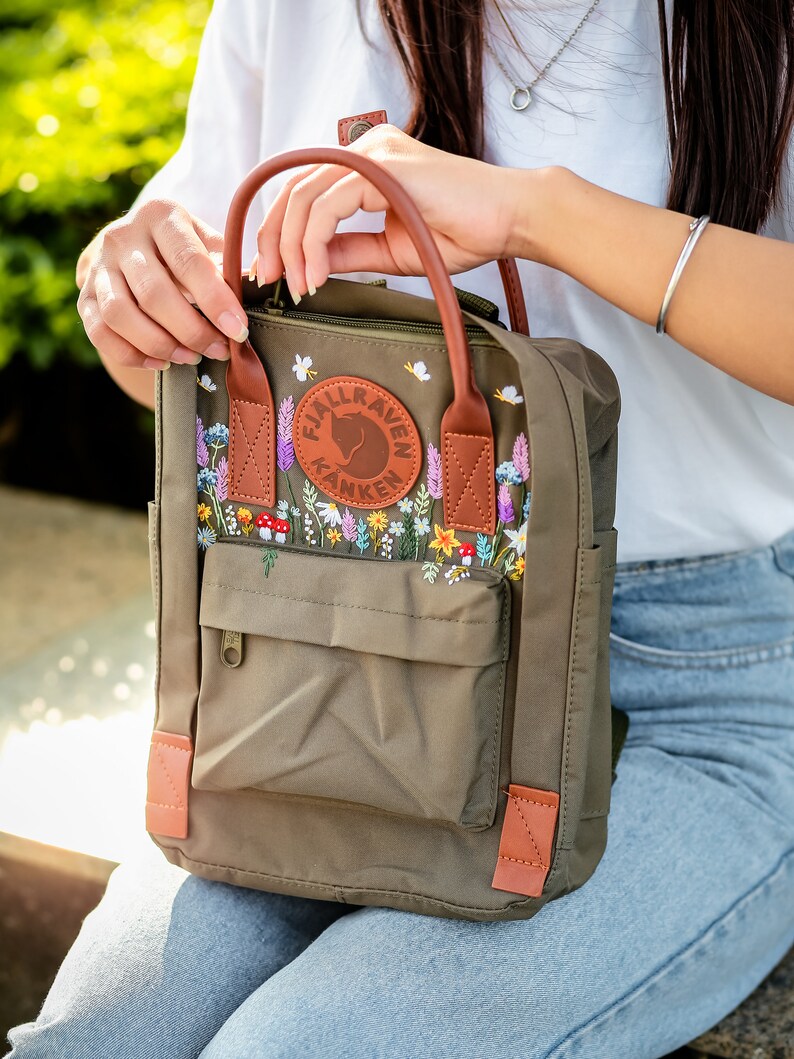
137 280
468 204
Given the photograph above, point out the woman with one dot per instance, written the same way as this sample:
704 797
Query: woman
573 107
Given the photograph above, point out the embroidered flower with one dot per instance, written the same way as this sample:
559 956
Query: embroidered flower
334 536
206 383
386 546
456 573
527 502
434 486
406 506
302 368
504 505
377 520
330 514
206 537
206 479
445 541
202 452
348 526
466 553
396 529
422 527
282 508
518 538
418 370
521 456
204 512
217 435
285 453
506 473
222 483
518 572
510 395
244 516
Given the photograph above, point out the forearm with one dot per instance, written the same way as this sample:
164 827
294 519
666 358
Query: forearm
733 306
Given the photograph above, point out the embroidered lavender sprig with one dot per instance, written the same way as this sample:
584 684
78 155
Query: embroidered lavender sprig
434 480
521 456
222 482
202 452
504 505
285 453
349 530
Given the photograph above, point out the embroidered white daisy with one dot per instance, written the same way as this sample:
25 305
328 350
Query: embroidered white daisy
509 394
418 369
330 514
518 539
406 505
396 529
422 526
302 368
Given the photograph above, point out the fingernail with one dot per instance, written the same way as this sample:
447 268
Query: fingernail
310 281
233 326
217 351
182 355
252 272
260 271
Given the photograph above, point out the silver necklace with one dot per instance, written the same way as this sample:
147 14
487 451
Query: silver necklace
521 96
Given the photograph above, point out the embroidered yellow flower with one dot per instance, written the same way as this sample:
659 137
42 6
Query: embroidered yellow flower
334 536
445 541
518 573
377 520
244 516
204 512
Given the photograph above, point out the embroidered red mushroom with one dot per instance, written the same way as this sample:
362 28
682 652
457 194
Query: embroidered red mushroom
281 528
265 523
466 553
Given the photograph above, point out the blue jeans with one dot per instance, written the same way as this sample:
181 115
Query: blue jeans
691 906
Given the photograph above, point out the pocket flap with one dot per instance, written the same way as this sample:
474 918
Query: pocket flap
372 606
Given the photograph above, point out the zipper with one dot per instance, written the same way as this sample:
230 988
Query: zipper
415 327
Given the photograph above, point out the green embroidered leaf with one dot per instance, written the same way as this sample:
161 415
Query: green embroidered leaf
430 572
408 545
309 495
269 556
422 502
509 564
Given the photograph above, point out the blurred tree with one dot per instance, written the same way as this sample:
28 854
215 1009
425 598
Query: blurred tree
93 97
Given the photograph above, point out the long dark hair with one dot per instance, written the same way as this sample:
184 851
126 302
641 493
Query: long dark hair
728 67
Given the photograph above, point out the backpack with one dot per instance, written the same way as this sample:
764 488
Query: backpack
382 558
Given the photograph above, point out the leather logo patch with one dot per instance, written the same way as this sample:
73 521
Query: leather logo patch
357 442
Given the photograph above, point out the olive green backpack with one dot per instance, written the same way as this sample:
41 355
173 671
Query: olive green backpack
382 557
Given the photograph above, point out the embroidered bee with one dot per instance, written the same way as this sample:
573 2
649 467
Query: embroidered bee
510 395
302 368
418 370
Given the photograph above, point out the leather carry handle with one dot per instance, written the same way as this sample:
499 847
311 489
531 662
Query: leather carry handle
467 444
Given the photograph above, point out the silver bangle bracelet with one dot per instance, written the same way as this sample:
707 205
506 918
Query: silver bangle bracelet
696 229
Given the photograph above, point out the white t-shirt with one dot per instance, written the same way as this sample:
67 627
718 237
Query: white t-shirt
706 464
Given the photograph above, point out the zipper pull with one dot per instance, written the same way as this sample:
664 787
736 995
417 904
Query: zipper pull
231 649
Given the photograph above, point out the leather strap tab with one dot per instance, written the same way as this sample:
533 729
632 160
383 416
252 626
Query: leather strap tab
349 129
168 782
526 844
469 495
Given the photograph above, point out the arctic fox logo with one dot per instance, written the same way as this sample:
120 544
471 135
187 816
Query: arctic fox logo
362 443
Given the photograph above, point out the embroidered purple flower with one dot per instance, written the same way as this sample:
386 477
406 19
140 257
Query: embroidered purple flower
285 453
521 456
202 452
504 505
348 526
222 482
217 435
506 472
434 481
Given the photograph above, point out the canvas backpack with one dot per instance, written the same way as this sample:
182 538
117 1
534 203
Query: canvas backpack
382 555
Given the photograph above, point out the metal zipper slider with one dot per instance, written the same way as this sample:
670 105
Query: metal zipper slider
231 649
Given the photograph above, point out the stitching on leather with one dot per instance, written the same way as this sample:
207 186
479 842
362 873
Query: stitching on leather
519 315
164 767
250 445
377 390
467 480
348 606
181 749
344 123
165 805
531 836
529 863
518 798
467 487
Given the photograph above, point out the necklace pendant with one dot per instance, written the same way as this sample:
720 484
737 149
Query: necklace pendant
520 97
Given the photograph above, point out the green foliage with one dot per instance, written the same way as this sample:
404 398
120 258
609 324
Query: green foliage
93 99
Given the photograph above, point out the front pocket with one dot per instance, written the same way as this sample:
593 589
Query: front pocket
354 680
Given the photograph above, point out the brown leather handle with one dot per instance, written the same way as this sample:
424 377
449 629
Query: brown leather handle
516 305
466 432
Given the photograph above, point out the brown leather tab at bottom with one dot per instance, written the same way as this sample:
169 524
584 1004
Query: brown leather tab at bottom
251 467
469 495
526 844
168 782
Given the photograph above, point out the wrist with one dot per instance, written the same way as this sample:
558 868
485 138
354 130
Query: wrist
538 202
